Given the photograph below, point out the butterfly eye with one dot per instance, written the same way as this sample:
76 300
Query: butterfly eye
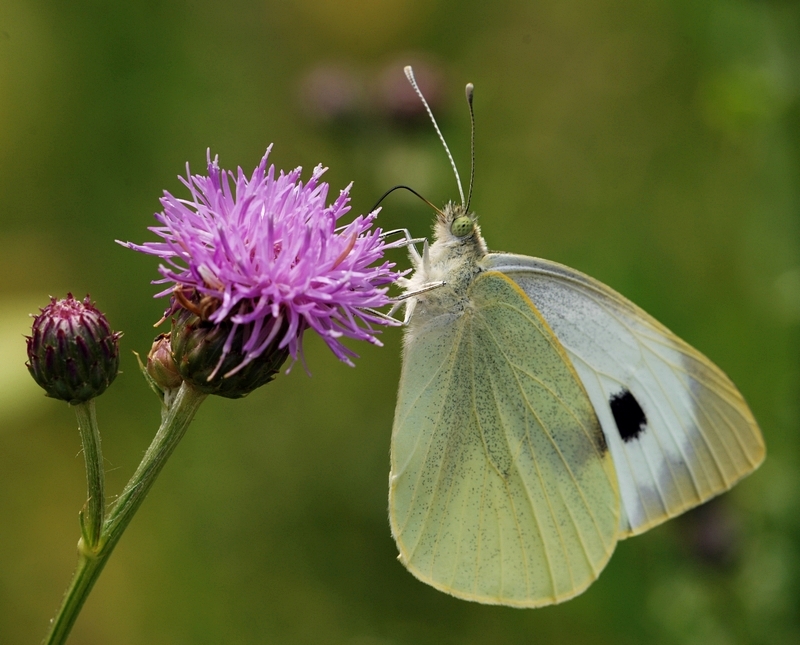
461 226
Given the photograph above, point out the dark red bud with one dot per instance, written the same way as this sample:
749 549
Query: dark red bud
72 352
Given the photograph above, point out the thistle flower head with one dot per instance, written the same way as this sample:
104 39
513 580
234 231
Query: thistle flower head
264 258
72 352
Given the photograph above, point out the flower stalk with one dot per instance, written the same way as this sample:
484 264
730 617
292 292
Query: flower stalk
92 515
93 557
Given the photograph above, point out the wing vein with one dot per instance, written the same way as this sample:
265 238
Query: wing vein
501 475
549 435
434 432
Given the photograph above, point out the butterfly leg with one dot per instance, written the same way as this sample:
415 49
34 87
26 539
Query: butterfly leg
409 304
407 241
384 316
409 298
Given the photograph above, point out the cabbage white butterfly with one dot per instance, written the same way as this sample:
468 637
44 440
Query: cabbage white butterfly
541 417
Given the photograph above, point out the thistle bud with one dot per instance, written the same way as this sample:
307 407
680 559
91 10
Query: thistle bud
72 352
211 358
161 366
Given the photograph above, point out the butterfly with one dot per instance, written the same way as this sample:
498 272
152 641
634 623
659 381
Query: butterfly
542 417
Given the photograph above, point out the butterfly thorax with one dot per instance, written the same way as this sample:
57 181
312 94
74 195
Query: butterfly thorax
452 259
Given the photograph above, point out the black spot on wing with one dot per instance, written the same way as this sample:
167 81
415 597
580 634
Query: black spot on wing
628 415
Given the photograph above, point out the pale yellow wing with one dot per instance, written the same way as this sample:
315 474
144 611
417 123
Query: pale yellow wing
502 489
678 429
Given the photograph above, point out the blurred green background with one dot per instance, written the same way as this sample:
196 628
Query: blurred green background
653 145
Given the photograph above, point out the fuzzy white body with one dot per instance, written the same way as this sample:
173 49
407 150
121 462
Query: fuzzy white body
452 261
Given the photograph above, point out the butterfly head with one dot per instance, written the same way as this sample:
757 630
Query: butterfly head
462 224
456 227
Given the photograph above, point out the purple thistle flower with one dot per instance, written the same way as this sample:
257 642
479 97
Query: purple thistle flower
267 254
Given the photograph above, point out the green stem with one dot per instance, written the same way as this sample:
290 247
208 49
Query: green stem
89 567
92 514
91 560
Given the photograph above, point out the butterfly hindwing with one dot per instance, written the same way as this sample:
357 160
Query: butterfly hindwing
678 429
502 489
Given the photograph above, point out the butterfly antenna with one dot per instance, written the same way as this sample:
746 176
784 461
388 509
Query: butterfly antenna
469 90
412 191
410 76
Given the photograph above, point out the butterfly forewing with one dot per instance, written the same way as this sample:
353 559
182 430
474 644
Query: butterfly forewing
678 429
502 489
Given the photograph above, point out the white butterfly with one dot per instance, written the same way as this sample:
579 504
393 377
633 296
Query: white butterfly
541 417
